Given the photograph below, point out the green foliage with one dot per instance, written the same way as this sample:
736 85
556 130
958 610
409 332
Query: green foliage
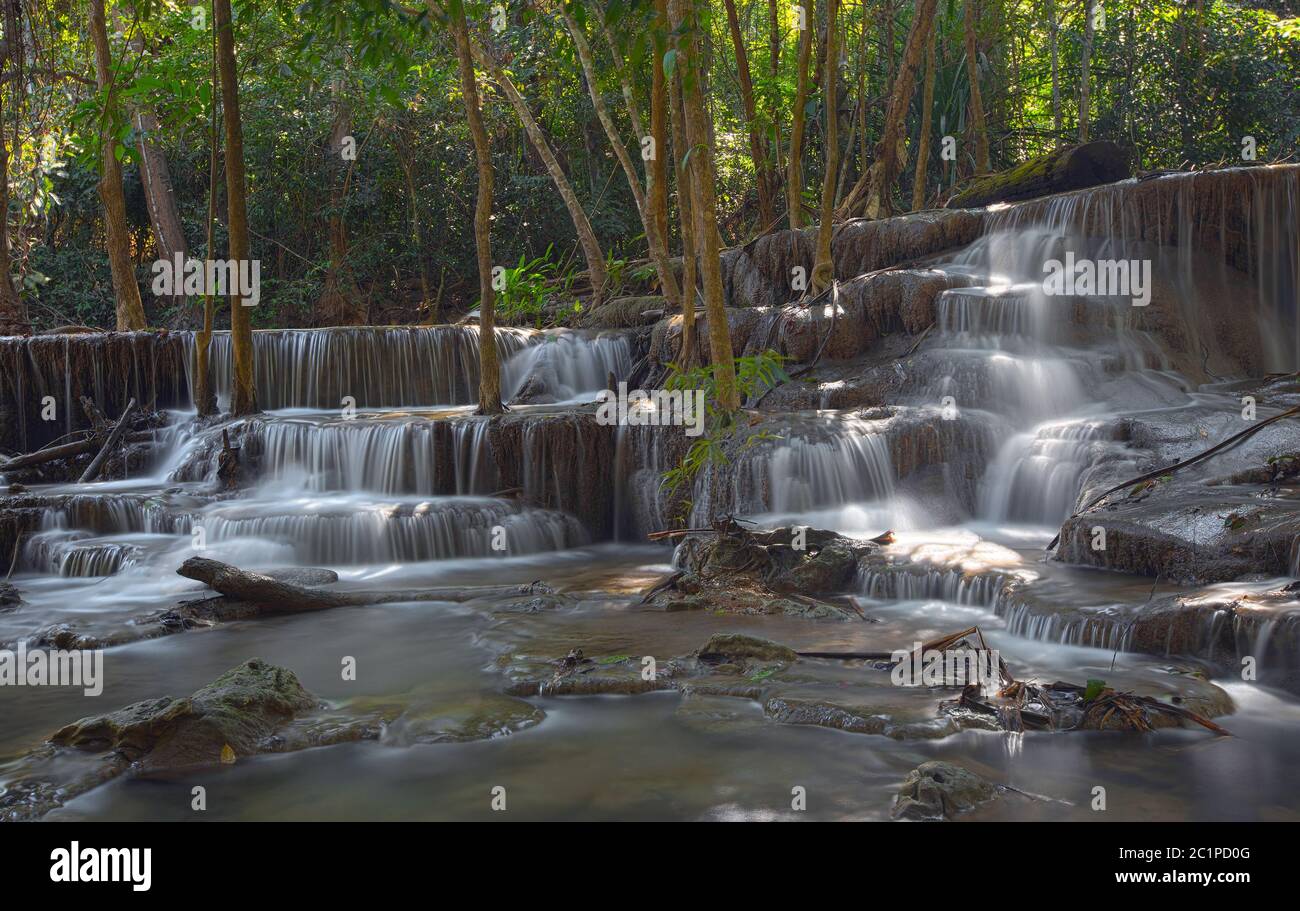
754 375
1093 690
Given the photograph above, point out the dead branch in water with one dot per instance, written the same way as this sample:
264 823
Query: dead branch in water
272 596
92 470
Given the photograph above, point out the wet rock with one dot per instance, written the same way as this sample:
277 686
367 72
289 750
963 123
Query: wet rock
626 311
760 274
10 598
253 708
737 647
940 790
239 710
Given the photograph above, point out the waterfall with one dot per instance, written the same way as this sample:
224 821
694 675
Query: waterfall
414 366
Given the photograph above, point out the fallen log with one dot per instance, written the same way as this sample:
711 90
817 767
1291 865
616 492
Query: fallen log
273 596
54 453
1072 168
92 470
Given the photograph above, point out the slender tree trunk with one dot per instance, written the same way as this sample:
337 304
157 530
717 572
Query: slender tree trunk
489 390
130 309
794 167
705 183
341 302
685 193
620 69
205 402
1085 62
658 250
871 194
1053 31
13 311
757 149
823 273
927 115
156 180
581 224
657 166
978 126
243 398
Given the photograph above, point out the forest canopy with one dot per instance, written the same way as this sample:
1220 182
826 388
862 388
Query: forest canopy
360 164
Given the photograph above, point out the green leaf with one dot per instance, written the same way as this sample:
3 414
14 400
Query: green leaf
1093 690
670 63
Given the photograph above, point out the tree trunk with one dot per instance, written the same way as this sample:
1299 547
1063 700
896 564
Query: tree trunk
205 402
243 398
685 191
489 387
871 194
1085 62
130 309
794 167
978 126
341 302
13 311
581 224
657 167
823 273
1053 30
927 115
704 184
620 69
757 148
658 250
156 180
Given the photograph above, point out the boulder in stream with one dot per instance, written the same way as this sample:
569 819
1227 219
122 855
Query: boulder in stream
940 790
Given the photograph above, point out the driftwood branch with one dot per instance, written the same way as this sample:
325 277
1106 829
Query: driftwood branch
92 470
273 596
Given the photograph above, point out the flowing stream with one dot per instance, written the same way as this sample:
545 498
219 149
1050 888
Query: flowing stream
1025 398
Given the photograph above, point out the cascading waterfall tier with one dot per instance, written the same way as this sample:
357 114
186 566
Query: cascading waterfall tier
416 366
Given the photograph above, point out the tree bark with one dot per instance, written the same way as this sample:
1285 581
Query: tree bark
685 193
871 196
757 148
927 116
489 387
156 180
243 399
1053 30
581 224
1085 63
823 273
658 250
126 292
657 167
794 167
205 402
340 302
704 184
979 128
13 311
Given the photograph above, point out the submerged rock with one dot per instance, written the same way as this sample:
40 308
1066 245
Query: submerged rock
940 790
